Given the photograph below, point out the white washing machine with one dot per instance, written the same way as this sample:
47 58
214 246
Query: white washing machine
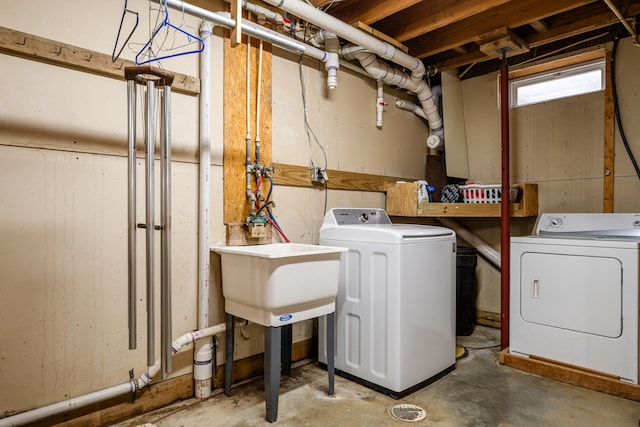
395 309
574 292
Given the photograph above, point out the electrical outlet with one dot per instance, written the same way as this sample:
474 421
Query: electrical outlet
319 175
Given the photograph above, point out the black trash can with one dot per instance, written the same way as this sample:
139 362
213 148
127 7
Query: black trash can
466 261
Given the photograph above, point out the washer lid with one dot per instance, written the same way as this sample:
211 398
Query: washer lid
385 233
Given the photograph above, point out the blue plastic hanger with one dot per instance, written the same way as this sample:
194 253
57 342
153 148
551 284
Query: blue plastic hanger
166 23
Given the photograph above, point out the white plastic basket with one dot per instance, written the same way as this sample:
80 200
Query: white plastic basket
480 193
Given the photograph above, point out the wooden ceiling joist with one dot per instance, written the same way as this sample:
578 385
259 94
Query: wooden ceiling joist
509 15
369 11
432 15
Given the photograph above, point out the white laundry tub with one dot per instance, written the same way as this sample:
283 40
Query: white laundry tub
280 283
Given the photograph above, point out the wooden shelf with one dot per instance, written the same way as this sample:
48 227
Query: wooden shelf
402 200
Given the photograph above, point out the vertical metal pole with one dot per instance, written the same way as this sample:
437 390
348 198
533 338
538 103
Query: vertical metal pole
165 242
505 213
131 97
150 158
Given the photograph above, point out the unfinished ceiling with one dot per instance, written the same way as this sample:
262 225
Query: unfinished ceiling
469 35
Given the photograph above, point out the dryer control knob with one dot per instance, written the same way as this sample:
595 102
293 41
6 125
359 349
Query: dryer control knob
555 222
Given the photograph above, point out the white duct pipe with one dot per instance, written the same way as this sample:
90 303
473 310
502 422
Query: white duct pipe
382 71
224 19
129 387
203 350
483 247
263 13
410 106
387 51
332 46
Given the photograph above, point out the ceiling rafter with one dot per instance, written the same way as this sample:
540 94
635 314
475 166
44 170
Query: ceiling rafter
428 16
510 15
369 11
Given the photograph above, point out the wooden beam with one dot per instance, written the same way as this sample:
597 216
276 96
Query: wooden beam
571 375
300 176
236 207
576 27
236 15
377 34
29 46
539 25
427 16
509 15
609 143
369 11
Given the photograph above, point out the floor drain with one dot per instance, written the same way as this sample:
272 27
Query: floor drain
406 412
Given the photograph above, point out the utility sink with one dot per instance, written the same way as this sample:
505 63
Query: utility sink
280 283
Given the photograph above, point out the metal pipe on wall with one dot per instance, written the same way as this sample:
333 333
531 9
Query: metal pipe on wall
152 79
131 233
165 230
505 208
150 144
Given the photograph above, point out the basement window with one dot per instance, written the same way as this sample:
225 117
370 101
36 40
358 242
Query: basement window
574 80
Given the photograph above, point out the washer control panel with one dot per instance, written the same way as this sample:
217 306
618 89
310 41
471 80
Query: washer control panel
355 216
550 223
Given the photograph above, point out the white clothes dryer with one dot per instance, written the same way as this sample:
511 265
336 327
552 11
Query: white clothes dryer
395 309
574 292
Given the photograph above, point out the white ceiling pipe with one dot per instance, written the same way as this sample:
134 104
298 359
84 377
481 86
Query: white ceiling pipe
389 75
410 106
332 46
254 30
309 13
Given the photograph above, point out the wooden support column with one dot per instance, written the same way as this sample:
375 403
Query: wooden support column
609 141
236 207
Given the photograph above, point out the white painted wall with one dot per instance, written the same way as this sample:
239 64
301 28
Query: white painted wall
560 146
63 309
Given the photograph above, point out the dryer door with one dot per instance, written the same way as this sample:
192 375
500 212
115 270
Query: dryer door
575 292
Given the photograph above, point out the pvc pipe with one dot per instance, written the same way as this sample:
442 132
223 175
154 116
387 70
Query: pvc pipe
379 104
505 211
332 46
387 51
131 231
203 387
66 406
224 19
165 232
150 158
268 14
382 71
483 247
130 387
410 106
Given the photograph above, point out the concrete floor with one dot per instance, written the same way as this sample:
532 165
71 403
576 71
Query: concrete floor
479 392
